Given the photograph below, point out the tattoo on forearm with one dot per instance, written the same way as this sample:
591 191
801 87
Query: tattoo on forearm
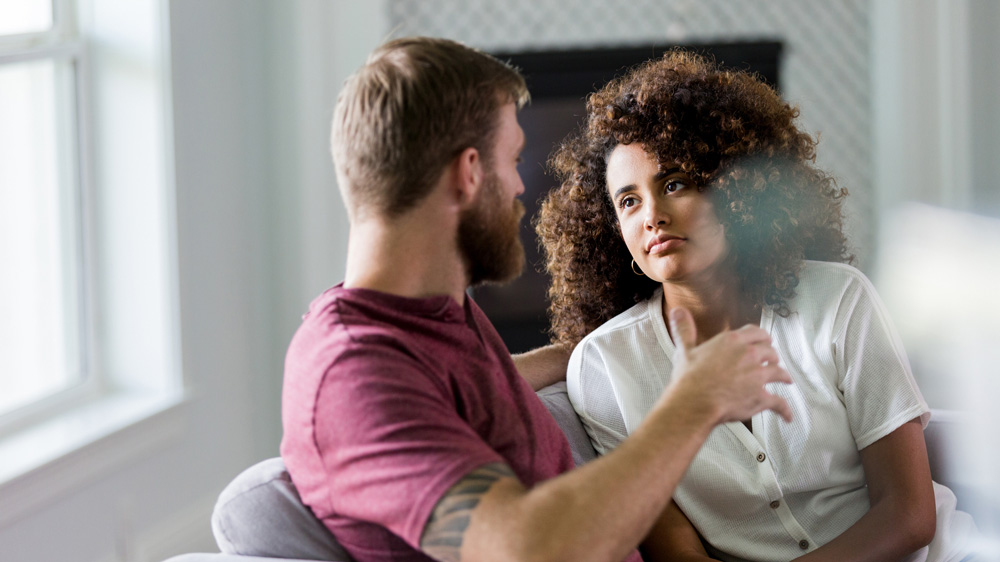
445 529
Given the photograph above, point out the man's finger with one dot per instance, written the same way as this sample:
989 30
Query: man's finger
778 405
750 333
682 326
774 373
766 354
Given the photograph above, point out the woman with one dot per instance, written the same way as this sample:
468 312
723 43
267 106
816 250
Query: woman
692 186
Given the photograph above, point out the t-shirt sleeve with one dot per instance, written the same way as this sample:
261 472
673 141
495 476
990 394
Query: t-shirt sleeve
391 440
591 392
879 391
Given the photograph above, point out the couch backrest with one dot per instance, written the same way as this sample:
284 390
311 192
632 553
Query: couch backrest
261 514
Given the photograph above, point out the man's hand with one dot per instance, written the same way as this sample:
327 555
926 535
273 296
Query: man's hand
727 373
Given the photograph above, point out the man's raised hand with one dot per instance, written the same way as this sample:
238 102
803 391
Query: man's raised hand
728 372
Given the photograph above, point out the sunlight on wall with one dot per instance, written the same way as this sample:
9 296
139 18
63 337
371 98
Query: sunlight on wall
937 272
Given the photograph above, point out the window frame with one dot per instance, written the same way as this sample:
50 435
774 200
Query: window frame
62 43
135 399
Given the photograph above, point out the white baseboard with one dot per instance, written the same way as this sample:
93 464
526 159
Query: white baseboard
188 530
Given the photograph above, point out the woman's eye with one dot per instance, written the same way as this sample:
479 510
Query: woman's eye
674 185
626 202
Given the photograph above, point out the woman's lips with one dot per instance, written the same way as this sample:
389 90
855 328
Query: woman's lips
666 245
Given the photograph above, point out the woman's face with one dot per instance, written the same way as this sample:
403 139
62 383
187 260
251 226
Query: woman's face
670 227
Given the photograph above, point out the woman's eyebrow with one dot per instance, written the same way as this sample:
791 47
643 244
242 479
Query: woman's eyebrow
659 176
623 189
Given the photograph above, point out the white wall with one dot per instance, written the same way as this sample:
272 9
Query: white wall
937 142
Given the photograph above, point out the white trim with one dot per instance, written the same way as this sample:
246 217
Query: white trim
955 101
61 44
48 51
922 87
28 41
64 27
168 196
32 413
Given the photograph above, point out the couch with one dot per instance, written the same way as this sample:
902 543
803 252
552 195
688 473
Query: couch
259 517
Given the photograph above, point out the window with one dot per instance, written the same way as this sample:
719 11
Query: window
89 336
42 351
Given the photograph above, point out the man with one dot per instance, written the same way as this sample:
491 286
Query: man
408 429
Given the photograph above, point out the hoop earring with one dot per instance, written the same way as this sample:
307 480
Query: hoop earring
636 270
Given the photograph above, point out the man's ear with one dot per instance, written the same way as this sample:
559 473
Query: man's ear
468 174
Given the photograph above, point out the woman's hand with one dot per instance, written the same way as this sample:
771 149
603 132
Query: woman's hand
673 539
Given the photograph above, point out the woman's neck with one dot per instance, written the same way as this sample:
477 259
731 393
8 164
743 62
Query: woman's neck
714 300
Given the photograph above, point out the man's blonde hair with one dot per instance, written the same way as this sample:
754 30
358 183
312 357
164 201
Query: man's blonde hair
414 106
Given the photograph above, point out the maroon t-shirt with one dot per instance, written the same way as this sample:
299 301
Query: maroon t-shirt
388 401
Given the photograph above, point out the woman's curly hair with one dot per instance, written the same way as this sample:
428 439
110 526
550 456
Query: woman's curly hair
735 137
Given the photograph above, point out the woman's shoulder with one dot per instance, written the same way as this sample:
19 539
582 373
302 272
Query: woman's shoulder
818 278
830 290
830 269
634 337
635 318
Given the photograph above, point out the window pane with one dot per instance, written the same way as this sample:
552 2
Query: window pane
39 321
25 16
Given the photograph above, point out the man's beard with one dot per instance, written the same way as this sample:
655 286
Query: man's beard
488 236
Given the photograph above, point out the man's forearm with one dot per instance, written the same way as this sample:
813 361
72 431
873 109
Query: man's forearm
543 366
602 510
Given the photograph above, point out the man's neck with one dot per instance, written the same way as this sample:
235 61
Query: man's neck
415 256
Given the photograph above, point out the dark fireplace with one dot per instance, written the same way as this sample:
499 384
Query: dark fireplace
559 82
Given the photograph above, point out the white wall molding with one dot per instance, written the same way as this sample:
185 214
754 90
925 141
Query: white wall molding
955 98
922 86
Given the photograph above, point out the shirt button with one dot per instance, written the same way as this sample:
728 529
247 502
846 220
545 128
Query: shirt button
760 457
775 504
804 544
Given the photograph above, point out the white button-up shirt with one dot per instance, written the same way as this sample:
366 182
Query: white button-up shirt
783 489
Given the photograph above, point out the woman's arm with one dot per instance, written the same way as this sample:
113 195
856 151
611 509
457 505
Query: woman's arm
673 539
902 518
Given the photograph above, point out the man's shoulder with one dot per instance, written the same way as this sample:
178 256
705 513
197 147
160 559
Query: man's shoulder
350 317
347 338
